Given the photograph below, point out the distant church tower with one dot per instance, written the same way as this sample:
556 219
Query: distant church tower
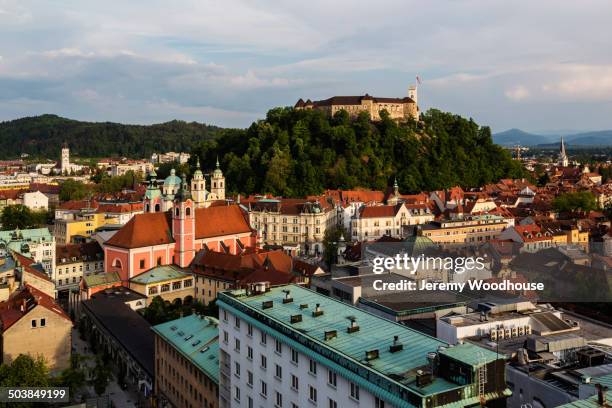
217 183
65 162
563 160
183 226
198 186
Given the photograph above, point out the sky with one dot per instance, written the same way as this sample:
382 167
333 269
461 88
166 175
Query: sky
542 66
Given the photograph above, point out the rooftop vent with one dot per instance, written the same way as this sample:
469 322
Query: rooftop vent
423 378
304 306
331 334
173 328
296 318
189 337
318 311
267 304
195 343
396 346
353 326
371 355
181 333
288 298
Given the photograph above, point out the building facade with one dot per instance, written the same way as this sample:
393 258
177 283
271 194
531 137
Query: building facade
187 362
397 108
291 347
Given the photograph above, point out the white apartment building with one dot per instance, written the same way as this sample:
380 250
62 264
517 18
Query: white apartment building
372 222
289 347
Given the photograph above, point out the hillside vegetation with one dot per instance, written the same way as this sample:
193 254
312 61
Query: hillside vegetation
301 152
42 136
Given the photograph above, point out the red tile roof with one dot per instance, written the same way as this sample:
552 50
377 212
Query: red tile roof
21 302
156 228
377 211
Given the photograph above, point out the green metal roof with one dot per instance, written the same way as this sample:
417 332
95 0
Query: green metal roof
375 333
159 274
471 354
196 337
15 238
590 402
101 279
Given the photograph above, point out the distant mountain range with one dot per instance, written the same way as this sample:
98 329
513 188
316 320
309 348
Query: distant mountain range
517 136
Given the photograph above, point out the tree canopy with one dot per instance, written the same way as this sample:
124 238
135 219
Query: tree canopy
578 201
20 216
300 152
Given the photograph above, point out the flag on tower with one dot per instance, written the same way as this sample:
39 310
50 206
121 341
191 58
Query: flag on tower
418 80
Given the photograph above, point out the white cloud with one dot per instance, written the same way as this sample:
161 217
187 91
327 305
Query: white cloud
517 93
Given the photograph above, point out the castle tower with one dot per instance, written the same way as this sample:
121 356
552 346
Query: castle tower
183 226
563 160
65 159
217 183
198 186
412 93
396 195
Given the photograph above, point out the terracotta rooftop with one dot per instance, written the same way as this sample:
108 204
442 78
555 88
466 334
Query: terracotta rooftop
156 228
21 302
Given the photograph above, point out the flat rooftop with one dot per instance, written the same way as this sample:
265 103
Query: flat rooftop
375 333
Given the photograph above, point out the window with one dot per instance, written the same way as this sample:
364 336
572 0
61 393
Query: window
378 403
237 345
295 384
33 324
332 403
188 211
313 367
294 356
264 362
165 287
237 394
278 347
237 322
153 290
250 402
176 285
142 263
312 393
264 389
249 378
249 352
279 399
331 378
279 372
225 337
264 338
43 322
355 391
159 260
237 369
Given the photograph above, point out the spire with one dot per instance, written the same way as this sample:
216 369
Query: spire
395 187
198 163
218 161
562 147
184 193
563 160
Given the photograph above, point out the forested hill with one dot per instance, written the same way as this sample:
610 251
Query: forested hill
292 152
300 152
42 136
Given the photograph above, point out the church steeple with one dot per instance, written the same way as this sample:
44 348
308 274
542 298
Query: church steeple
563 160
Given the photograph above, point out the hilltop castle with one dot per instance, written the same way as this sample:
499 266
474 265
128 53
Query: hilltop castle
398 108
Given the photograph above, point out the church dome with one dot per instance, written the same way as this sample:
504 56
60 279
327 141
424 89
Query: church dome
172 180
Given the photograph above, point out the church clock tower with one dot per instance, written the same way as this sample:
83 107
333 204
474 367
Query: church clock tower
198 186
183 226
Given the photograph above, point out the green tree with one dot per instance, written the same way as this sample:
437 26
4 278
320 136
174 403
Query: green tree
73 190
578 201
74 376
330 244
25 371
101 375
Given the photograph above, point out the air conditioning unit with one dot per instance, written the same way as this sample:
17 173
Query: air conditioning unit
493 334
514 332
500 334
527 330
521 330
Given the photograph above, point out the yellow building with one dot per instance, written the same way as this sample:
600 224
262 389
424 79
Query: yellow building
167 281
468 231
397 108
84 225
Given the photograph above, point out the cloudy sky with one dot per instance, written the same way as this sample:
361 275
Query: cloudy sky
538 65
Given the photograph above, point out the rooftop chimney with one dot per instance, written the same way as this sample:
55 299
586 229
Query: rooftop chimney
601 395
288 298
396 346
318 311
353 326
